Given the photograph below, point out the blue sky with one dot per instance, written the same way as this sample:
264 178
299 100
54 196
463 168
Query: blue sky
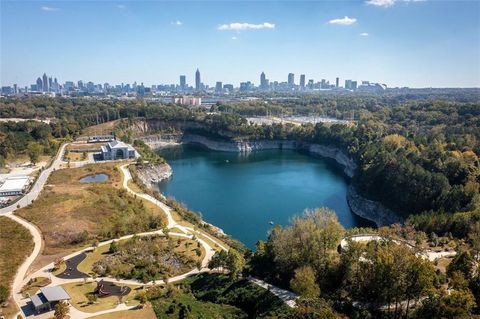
397 42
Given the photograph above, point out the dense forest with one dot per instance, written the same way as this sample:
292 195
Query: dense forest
417 154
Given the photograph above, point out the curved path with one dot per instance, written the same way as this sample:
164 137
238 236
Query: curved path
187 232
426 254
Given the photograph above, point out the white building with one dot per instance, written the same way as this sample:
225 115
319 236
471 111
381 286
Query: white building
118 150
188 100
15 185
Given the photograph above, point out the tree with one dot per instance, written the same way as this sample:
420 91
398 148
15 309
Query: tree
4 294
311 240
235 263
113 247
34 150
61 310
219 260
303 282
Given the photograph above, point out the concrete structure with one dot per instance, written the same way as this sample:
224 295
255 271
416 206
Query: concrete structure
100 138
118 150
188 100
15 185
48 298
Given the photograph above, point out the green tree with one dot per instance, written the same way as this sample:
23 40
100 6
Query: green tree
113 247
4 294
304 282
235 263
34 150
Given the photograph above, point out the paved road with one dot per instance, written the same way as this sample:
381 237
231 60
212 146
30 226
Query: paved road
187 232
38 186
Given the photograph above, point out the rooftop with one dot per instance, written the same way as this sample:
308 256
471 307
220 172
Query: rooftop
14 183
55 293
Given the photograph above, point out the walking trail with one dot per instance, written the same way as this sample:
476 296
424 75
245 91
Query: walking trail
21 278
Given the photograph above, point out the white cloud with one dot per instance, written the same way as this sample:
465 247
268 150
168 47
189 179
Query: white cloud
343 21
177 23
246 26
364 34
121 6
234 38
388 3
45 8
381 3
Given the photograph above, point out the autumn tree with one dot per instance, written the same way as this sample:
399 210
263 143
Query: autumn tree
304 282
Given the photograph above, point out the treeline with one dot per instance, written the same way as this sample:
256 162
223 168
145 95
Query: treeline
416 152
379 279
33 138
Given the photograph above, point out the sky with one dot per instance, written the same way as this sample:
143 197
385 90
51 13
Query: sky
413 43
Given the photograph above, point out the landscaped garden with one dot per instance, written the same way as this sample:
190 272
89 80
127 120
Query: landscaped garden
145 258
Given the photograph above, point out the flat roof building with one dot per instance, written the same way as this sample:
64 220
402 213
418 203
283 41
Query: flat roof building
14 185
48 298
115 150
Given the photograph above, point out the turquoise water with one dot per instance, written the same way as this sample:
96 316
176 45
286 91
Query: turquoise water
97 178
242 193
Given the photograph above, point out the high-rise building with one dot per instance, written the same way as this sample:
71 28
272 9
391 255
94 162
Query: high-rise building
198 83
218 87
50 84
310 84
39 85
15 89
348 84
302 81
353 86
45 83
291 79
337 82
263 81
183 82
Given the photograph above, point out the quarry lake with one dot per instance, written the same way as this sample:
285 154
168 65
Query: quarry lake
244 193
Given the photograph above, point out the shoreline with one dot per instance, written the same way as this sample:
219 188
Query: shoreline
359 205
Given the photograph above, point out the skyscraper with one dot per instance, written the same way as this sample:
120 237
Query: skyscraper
263 81
45 83
302 82
39 84
50 84
198 82
291 79
218 87
183 82
337 81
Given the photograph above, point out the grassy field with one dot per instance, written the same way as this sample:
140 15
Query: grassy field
78 292
145 313
73 215
15 245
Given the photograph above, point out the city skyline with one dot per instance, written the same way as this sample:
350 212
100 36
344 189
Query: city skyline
399 43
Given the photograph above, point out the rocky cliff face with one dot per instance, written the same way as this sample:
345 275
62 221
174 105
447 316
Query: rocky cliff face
159 141
371 210
368 209
151 174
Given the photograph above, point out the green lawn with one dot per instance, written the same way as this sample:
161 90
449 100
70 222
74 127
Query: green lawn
78 291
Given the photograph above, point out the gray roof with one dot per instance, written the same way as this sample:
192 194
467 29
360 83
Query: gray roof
38 300
55 293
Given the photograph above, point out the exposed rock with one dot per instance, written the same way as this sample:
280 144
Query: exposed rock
371 210
361 206
151 174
